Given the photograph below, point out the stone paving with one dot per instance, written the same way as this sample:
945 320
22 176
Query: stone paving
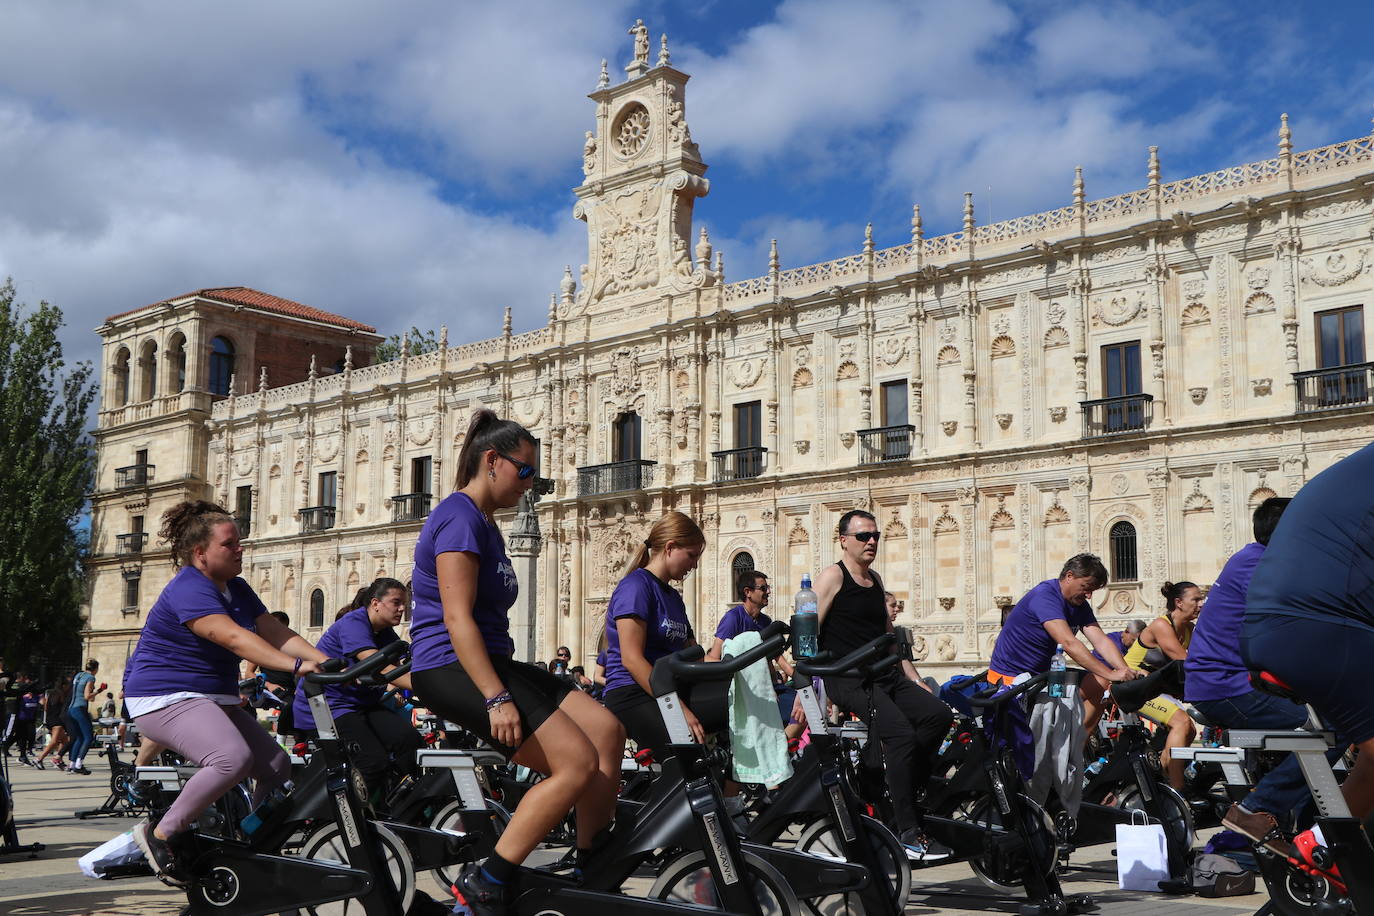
50 883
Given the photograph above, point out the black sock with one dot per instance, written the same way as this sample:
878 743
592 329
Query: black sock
498 870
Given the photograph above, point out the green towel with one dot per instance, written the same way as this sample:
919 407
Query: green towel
756 735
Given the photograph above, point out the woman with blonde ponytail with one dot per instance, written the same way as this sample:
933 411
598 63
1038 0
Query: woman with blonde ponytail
646 620
464 586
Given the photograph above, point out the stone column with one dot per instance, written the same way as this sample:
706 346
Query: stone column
524 543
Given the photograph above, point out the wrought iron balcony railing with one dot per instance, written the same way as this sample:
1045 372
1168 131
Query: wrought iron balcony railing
616 477
126 544
739 463
135 475
316 518
1336 388
410 507
1116 416
885 443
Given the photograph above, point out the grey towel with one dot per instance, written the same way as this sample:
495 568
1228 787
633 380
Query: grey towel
1056 723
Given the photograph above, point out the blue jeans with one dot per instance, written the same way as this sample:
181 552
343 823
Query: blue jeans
85 734
1282 790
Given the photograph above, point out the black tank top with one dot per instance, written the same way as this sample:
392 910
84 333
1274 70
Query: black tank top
856 616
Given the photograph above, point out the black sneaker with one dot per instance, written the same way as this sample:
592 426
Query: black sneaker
477 896
922 849
161 858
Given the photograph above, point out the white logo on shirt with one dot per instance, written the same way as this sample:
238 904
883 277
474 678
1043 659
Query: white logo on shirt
507 575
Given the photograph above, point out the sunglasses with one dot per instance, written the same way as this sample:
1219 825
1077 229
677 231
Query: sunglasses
761 588
522 470
864 537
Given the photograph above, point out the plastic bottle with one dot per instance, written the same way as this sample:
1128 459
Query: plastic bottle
949 738
1058 667
805 621
262 812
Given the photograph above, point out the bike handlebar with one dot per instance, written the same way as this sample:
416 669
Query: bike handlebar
988 701
686 664
821 665
370 665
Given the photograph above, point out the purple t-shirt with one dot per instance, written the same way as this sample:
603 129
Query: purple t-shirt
1214 668
737 621
658 604
457 525
350 634
1023 645
169 658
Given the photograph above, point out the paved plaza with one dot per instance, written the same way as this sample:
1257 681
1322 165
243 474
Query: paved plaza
51 884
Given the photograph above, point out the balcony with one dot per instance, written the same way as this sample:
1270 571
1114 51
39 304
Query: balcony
316 518
885 443
410 507
1107 417
130 544
135 475
616 477
1337 388
739 463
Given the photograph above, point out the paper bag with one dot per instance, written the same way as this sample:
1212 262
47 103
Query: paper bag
115 852
1142 858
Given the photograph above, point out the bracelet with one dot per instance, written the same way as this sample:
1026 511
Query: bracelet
502 697
297 670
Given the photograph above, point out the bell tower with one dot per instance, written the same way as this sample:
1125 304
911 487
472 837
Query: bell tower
642 175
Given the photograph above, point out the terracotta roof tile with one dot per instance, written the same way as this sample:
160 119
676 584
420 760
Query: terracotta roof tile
252 298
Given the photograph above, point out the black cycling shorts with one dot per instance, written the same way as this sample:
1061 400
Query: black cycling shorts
643 721
450 693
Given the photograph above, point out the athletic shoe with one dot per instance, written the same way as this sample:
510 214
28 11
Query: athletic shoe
477 896
921 848
161 858
61 764
82 770
1259 826
38 765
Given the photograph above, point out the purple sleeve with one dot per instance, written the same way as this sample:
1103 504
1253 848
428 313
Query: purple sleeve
1047 605
631 598
195 598
460 533
355 634
729 626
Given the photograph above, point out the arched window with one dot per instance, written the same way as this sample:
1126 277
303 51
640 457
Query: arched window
147 369
176 364
317 608
221 366
121 377
742 563
1124 565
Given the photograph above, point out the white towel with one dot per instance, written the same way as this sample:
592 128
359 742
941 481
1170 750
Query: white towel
758 743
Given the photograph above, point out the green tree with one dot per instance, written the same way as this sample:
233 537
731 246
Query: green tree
46 464
420 342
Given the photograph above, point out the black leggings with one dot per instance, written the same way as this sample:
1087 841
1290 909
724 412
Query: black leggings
381 741
910 723
639 712
449 691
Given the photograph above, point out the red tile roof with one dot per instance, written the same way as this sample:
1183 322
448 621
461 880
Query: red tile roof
251 298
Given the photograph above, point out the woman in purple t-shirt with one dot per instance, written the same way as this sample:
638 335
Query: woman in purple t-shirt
461 665
181 683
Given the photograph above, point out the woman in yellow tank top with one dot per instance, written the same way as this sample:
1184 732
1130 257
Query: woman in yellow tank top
1167 638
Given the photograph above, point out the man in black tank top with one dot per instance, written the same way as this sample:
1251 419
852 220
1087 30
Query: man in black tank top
907 719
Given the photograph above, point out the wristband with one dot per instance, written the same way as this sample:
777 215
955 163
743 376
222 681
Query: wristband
502 697
297 670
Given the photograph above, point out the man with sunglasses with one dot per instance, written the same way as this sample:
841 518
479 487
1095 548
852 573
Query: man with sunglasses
898 708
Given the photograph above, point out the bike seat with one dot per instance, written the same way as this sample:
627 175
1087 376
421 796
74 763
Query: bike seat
1132 695
1270 683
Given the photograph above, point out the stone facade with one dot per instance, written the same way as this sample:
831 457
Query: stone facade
1000 398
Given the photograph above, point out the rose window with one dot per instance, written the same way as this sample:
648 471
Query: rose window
631 130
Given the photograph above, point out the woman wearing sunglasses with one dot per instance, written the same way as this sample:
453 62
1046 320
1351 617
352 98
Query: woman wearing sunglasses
461 664
897 707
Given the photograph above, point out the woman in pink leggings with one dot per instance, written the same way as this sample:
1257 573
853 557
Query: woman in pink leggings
181 683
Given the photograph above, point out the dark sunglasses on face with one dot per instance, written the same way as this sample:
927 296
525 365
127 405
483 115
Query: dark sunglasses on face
522 470
865 536
762 588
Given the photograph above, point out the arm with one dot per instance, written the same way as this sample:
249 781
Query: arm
1115 670
457 573
826 587
717 647
89 693
221 630
599 674
633 631
1165 638
283 638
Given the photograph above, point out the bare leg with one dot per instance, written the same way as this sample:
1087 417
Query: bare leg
1181 734
1358 787
596 807
564 753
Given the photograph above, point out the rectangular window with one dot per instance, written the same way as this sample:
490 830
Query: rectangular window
748 425
131 591
894 403
626 444
1121 370
421 471
329 489
1340 337
243 509
141 456
136 524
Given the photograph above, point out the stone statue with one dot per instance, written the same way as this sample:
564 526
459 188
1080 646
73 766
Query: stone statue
589 154
641 34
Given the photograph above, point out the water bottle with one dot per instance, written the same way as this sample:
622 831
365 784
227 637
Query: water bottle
805 621
949 738
263 812
1096 766
1058 669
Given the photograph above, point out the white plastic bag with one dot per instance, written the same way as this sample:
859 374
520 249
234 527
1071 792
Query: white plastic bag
120 850
1142 858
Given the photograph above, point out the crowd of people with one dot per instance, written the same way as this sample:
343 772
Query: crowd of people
181 684
67 708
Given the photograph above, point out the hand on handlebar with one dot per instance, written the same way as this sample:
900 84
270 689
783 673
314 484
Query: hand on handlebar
1121 675
307 667
505 724
694 724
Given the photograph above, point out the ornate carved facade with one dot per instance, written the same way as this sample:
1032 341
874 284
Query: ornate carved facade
1127 375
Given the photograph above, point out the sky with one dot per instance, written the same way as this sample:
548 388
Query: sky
412 164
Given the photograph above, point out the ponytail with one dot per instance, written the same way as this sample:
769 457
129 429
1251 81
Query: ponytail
674 527
487 431
1172 591
188 524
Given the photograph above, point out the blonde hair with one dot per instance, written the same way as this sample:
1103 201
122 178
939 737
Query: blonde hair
674 527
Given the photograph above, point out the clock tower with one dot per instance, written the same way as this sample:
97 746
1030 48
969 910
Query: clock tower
642 175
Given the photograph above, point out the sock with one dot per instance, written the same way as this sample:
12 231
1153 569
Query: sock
498 871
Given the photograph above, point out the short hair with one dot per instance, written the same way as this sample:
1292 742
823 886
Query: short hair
1086 565
562 649
92 664
1135 626
747 579
1266 517
843 527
